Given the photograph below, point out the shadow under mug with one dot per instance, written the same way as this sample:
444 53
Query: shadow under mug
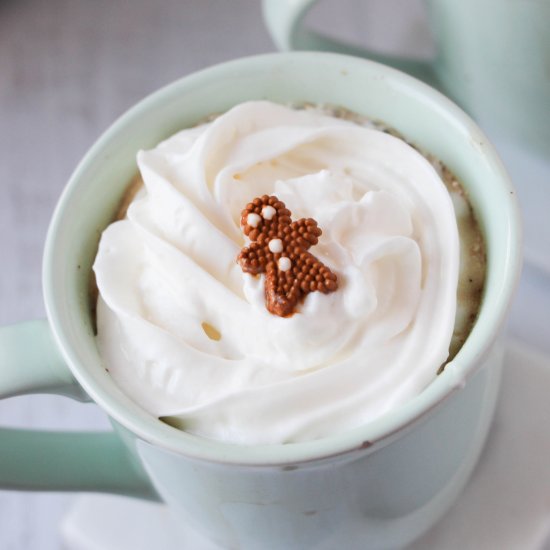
492 57
377 486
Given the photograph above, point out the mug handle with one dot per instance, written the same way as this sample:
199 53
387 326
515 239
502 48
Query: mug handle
284 19
57 461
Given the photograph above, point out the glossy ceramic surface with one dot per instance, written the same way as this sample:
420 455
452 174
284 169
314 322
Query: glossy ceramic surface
492 57
247 495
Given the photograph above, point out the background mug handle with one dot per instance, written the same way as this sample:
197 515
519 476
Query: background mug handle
49 460
284 20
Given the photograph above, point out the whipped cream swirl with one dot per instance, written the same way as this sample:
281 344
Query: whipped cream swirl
186 334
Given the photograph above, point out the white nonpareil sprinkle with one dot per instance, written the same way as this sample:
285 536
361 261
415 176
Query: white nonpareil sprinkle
284 263
275 245
268 212
253 220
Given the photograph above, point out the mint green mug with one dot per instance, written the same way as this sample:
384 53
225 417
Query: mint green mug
378 486
492 57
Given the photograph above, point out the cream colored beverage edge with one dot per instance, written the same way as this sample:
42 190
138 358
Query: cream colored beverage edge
185 331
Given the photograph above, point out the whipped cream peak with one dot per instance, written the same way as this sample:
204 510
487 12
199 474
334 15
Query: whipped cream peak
168 270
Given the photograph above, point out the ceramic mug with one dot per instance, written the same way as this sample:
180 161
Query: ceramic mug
377 486
492 57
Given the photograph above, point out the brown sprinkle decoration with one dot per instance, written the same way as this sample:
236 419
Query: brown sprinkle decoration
279 248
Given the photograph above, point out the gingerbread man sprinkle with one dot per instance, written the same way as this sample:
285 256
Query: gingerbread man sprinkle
279 248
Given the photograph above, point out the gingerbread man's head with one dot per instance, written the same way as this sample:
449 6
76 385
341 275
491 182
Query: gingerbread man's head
279 248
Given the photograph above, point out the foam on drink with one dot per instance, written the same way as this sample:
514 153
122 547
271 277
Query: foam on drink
168 277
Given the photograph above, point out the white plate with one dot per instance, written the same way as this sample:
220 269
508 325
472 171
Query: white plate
506 504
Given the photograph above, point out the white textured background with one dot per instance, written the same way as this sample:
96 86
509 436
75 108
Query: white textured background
67 69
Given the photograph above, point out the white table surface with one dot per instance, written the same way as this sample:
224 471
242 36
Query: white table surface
67 69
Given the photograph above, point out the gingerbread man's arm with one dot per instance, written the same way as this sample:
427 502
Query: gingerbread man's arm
252 259
305 232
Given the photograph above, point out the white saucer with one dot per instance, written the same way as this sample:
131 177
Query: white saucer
506 504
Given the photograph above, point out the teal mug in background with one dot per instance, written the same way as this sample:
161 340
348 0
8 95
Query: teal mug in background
378 486
492 57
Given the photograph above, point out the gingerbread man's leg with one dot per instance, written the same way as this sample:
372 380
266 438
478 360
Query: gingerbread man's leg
281 295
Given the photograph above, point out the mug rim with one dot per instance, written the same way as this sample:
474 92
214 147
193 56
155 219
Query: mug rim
150 429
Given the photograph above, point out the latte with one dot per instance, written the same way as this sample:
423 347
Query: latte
185 331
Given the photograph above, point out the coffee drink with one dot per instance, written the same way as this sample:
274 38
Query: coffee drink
282 274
